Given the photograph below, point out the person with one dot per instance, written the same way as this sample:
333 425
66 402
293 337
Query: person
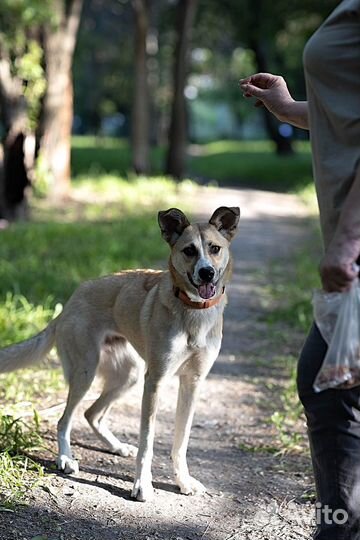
332 115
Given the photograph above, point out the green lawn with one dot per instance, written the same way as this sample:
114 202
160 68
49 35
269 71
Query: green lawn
253 164
235 163
95 156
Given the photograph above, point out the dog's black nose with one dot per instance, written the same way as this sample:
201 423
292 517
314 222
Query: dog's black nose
206 274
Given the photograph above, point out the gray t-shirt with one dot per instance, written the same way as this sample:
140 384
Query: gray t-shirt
332 73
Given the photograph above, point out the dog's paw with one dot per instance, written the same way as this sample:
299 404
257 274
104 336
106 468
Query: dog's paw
191 486
67 465
125 450
142 491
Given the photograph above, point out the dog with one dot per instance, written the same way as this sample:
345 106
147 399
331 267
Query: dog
170 319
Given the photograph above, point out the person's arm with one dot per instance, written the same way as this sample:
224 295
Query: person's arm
337 269
272 92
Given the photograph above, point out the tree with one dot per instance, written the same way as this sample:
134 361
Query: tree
111 91
175 163
140 111
21 87
59 40
258 25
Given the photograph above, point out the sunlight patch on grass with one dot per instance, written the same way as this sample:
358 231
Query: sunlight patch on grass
109 197
92 141
240 147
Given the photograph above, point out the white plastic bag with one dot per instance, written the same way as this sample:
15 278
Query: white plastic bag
337 316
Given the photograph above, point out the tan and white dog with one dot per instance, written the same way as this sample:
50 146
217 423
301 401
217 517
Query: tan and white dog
170 319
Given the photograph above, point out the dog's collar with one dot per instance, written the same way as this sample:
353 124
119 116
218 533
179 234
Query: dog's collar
197 305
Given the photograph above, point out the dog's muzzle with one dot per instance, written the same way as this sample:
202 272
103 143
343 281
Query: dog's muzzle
206 288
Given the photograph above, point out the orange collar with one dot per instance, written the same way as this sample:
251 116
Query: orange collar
197 305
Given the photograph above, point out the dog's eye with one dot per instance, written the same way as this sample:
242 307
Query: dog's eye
190 251
214 250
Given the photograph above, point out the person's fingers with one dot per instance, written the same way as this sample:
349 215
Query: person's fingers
254 91
261 80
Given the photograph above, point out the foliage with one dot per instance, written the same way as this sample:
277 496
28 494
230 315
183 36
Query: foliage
30 70
103 66
19 26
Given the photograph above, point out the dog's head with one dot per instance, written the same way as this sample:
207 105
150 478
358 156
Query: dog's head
200 258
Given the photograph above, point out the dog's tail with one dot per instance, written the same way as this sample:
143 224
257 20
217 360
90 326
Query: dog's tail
28 352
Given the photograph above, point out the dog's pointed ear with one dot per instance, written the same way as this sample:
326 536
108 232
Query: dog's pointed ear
172 223
226 221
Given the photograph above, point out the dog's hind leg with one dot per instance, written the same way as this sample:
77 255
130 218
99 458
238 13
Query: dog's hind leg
119 368
80 376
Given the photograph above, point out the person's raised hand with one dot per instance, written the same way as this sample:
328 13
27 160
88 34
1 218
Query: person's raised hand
270 91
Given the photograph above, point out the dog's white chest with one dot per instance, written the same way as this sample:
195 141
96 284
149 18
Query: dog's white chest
199 329
197 340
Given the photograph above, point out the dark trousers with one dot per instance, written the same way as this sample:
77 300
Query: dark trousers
333 420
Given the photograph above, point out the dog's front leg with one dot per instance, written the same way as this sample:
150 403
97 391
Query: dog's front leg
188 391
143 489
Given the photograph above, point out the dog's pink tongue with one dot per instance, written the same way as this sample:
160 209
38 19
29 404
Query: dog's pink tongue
207 290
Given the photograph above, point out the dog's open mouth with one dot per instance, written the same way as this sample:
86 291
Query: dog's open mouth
207 290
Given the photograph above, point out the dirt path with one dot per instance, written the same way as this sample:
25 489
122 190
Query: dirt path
252 494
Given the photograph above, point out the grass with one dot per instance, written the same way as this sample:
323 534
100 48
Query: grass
291 314
236 163
18 472
253 164
95 156
290 294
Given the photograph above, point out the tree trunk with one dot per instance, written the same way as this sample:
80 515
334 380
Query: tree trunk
57 112
140 143
14 176
175 164
283 144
